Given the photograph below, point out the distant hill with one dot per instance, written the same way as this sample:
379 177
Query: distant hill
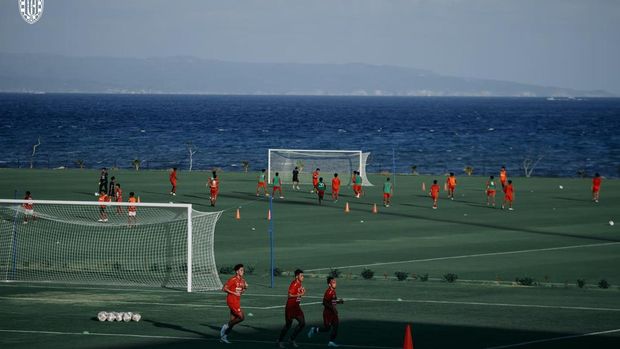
54 73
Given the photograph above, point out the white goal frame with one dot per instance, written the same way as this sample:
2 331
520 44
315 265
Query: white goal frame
187 207
361 168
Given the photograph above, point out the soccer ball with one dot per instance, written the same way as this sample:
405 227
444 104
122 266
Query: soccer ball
96 194
111 316
119 316
561 187
136 317
102 316
127 316
611 223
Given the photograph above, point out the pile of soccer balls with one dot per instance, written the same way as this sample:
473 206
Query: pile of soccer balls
116 316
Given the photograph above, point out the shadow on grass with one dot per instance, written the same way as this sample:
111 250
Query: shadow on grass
371 334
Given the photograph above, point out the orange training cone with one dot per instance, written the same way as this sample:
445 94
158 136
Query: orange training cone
269 215
374 208
423 186
408 344
346 208
238 215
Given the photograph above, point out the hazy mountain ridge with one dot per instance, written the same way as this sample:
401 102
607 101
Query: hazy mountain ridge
54 73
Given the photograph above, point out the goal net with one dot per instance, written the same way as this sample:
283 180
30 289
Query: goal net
164 245
343 162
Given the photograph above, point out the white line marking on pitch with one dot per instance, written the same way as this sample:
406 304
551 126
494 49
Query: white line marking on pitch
467 256
564 307
554 339
179 337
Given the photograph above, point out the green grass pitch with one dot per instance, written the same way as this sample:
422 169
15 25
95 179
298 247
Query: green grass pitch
554 236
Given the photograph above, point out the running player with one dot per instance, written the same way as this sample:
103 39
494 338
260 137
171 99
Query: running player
103 181
596 187
293 311
277 185
315 179
388 191
173 181
451 185
320 190
434 193
330 313
118 197
491 191
335 187
103 197
296 178
508 195
131 210
234 288
262 183
28 208
214 188
503 176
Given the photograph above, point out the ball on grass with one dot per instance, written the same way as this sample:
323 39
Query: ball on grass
102 316
250 314
127 316
399 299
361 221
136 317
561 187
253 228
611 223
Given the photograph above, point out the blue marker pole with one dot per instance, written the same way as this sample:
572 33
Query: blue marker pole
271 257
393 168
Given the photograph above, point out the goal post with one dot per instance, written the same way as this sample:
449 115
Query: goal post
85 242
343 162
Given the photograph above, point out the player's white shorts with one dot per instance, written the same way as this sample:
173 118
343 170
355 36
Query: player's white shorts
132 213
29 212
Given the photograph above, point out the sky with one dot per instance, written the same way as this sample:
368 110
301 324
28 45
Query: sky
563 43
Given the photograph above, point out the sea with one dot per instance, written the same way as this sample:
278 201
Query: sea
561 137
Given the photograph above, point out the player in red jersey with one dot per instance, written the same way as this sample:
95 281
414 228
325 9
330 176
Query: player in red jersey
277 185
173 181
28 208
330 313
234 288
596 187
434 193
315 179
335 187
508 195
131 210
451 185
103 197
214 188
293 311
118 197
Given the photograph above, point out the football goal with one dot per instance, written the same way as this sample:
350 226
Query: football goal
343 162
121 244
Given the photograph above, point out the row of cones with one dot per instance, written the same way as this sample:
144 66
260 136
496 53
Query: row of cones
347 209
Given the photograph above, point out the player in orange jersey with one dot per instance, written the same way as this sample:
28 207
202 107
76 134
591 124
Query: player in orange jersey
596 187
508 195
173 181
28 208
451 185
262 183
503 176
330 313
292 310
214 188
118 197
335 187
434 193
103 197
490 190
131 210
234 288
315 179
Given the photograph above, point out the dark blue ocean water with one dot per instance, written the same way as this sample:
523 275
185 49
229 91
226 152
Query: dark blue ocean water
435 134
